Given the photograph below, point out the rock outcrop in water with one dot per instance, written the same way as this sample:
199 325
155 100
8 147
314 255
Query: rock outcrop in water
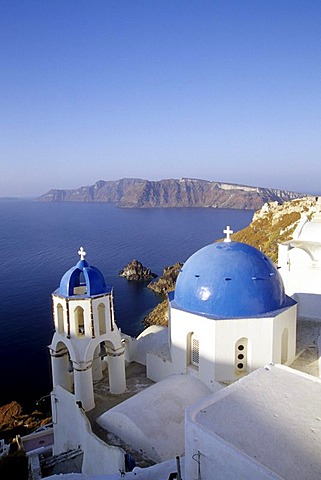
166 282
185 192
135 271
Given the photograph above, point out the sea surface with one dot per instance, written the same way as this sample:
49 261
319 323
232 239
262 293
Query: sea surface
39 243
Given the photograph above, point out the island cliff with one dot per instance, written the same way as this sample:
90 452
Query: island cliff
185 192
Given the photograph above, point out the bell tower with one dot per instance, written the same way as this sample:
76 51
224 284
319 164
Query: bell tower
85 333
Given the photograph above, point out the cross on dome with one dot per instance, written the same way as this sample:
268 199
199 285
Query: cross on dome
82 253
228 233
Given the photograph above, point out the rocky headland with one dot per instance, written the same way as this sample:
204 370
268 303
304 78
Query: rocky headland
158 316
168 193
166 282
274 224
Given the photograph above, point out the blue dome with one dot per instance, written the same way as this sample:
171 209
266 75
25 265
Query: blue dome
229 279
83 275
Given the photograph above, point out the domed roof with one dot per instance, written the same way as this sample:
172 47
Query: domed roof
229 279
83 279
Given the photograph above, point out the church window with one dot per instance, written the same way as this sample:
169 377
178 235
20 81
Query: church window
60 318
241 356
195 351
79 321
102 318
192 350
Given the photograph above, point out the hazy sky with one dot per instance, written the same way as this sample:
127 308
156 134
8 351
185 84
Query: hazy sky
219 90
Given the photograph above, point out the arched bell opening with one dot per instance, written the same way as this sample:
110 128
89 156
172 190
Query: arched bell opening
102 319
79 321
62 368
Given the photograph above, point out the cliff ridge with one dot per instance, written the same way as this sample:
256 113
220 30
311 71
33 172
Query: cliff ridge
184 192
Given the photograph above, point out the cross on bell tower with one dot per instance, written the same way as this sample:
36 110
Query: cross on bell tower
82 253
228 233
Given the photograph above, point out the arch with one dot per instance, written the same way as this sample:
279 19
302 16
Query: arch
81 288
298 257
62 367
102 318
79 321
116 368
284 345
241 356
61 346
60 318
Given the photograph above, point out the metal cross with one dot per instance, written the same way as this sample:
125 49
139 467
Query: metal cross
228 233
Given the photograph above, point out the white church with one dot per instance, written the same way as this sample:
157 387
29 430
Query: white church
223 398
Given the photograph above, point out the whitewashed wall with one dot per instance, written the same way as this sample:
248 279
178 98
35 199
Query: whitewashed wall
218 459
72 430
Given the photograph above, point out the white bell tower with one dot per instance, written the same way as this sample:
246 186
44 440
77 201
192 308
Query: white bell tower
85 333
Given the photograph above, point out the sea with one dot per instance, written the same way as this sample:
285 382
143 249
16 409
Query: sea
39 243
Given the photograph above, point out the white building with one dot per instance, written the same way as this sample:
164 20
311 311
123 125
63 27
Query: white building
85 334
84 326
228 317
265 426
299 263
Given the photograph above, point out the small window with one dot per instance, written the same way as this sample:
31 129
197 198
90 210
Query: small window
195 351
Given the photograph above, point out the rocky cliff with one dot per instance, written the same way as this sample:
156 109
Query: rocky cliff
185 192
274 224
166 282
13 421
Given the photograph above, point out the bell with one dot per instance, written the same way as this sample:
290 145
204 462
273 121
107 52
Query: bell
103 351
70 366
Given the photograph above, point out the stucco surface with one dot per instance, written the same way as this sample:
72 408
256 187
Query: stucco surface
266 416
154 418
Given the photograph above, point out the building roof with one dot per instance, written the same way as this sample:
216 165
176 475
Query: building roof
229 279
273 416
153 421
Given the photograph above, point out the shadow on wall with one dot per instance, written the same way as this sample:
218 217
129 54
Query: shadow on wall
309 305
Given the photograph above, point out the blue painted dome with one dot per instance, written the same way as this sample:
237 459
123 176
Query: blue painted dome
83 275
229 279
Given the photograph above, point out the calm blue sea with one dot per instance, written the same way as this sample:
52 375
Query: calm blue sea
39 243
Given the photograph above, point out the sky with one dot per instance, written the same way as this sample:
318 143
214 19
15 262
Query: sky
227 91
